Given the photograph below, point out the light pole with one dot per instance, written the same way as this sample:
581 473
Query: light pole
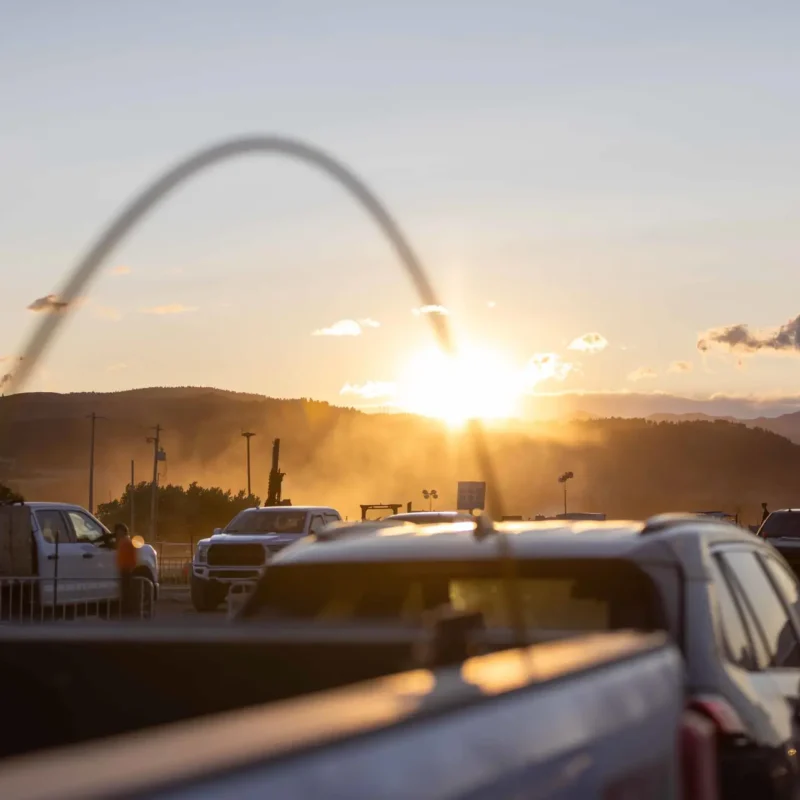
248 435
430 495
563 479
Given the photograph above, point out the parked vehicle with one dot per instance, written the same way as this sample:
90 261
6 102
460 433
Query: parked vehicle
238 552
59 555
728 600
782 530
430 517
591 718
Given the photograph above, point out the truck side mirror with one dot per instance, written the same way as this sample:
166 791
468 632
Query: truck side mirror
216 531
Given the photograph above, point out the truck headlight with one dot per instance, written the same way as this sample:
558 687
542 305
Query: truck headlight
201 556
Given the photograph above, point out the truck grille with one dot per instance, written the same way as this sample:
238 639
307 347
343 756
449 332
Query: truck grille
235 555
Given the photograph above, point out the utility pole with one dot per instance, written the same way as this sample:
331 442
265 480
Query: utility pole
93 417
248 435
131 493
156 442
563 479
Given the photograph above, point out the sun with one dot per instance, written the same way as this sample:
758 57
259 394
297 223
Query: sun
477 383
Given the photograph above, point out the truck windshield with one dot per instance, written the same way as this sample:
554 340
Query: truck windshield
268 521
781 526
556 595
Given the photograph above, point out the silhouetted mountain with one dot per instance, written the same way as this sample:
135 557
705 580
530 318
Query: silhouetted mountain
624 467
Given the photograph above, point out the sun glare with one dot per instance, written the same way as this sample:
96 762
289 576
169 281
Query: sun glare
477 383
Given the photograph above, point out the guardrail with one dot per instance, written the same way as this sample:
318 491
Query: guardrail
32 600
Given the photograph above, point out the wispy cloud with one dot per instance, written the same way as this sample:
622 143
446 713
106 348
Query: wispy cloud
173 308
369 323
116 367
589 343
48 304
344 327
491 304
544 367
642 374
681 366
423 310
120 269
371 390
741 338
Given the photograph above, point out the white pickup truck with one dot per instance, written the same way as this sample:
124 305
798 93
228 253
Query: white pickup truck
58 554
237 553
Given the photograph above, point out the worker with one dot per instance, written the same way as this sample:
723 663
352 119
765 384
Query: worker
126 563
764 512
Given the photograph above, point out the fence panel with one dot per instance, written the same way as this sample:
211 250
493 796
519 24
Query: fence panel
30 600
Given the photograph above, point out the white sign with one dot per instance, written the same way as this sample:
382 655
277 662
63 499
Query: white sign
471 495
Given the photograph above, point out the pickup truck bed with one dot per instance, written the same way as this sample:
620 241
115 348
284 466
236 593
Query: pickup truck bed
592 717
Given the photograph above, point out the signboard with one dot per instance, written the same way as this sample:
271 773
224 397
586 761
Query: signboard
471 495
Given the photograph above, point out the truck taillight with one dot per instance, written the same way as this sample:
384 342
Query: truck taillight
720 712
698 750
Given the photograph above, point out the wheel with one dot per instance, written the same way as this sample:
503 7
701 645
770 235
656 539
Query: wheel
206 596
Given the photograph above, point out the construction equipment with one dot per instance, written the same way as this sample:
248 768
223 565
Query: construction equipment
276 479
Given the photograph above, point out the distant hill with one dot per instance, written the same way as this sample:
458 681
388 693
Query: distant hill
787 425
624 467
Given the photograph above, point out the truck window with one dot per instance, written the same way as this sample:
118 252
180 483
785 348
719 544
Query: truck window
317 524
86 529
733 631
556 595
53 526
779 634
267 520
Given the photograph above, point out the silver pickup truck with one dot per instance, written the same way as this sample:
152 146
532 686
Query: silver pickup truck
590 718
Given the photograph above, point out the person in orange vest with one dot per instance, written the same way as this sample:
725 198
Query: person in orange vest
126 563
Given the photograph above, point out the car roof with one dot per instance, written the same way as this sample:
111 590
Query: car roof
41 504
675 540
411 515
785 511
292 508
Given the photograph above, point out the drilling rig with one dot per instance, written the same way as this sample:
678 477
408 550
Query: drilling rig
276 479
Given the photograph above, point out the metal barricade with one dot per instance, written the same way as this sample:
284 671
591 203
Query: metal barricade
237 595
174 571
32 600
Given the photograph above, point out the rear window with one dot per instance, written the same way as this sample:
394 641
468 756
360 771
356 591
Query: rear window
555 595
781 526
429 519
268 521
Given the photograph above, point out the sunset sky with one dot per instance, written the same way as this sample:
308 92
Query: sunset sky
594 187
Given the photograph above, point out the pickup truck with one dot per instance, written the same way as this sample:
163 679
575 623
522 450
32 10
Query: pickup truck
590 718
58 555
237 553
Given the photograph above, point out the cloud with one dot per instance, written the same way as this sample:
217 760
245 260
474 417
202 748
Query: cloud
741 339
120 269
173 308
681 366
48 304
544 367
344 327
371 390
491 304
422 310
642 374
589 343
116 367
369 323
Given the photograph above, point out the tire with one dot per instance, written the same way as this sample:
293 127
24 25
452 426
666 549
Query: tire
143 594
206 596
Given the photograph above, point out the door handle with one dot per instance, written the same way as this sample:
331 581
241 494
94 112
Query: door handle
52 557
88 555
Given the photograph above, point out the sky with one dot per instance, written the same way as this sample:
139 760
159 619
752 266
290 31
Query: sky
595 188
